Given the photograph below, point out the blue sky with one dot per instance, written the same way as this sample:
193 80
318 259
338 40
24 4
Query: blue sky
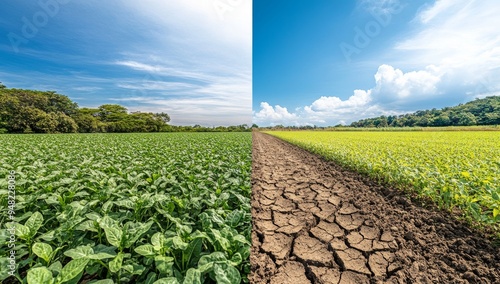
190 58
329 62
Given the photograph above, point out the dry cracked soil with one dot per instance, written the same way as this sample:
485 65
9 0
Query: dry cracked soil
314 222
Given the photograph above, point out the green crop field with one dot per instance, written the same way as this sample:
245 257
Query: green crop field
125 208
454 169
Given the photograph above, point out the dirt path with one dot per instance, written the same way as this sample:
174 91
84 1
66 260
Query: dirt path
316 223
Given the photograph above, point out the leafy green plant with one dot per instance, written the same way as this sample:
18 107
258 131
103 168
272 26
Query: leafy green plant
129 208
454 169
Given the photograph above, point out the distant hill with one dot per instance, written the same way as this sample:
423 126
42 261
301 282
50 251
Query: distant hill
478 112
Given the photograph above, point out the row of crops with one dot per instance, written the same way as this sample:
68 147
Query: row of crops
126 208
454 169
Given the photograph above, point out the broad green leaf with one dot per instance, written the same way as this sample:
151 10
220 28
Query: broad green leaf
73 222
206 262
137 269
193 276
244 252
128 268
164 265
81 194
158 240
103 252
145 250
215 256
100 248
116 264
224 243
51 200
93 216
495 196
102 255
241 239
236 259
207 267
56 267
22 231
93 269
40 275
179 243
34 223
72 269
49 236
217 219
192 252
206 221
234 218
103 281
135 232
226 274
43 251
151 278
106 207
79 252
86 226
107 222
127 203
168 280
114 235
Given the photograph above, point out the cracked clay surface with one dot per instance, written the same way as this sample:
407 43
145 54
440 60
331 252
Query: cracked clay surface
314 222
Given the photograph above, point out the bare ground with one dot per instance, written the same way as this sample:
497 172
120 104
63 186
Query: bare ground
314 222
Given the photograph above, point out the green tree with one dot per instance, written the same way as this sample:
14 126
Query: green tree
87 123
47 123
112 112
465 119
65 124
162 116
59 103
442 120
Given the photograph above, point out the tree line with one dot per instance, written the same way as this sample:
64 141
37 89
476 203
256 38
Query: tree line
478 112
32 111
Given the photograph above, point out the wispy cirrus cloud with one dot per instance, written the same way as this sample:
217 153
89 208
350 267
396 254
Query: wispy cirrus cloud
156 85
160 52
87 89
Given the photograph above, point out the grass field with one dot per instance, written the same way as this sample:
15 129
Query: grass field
454 169
129 208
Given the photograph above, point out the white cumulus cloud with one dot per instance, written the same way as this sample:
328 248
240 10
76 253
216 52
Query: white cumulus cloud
274 115
360 98
394 84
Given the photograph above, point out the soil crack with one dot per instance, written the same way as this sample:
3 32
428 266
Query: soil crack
315 222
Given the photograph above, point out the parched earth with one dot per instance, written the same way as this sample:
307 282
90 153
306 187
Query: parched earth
314 222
